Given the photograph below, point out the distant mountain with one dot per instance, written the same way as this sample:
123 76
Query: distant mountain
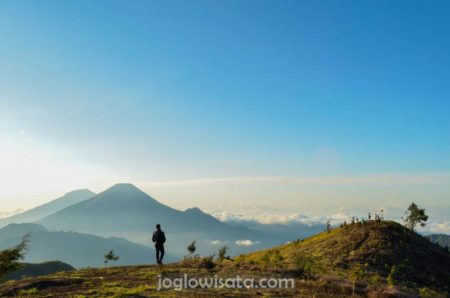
4 214
41 211
125 211
34 270
442 239
79 250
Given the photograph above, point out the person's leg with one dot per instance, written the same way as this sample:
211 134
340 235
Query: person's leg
157 254
161 255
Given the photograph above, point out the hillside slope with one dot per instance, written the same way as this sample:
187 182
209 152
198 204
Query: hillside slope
375 249
352 260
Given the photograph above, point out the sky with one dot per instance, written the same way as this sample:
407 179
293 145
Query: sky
252 107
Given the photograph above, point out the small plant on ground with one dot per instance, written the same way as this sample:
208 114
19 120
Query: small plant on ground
304 266
207 262
265 261
191 247
276 259
191 256
222 253
110 256
240 261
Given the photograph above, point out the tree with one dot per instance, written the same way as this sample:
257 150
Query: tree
110 257
9 258
191 248
222 252
414 216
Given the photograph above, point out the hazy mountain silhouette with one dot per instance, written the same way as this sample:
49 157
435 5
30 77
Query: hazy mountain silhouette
77 249
41 211
124 210
442 239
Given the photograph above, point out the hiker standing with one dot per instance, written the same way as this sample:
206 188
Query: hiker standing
159 238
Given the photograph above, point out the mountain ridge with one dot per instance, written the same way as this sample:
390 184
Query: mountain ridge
48 208
125 211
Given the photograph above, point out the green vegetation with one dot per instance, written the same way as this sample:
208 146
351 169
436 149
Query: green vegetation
29 292
374 247
413 217
33 270
374 259
222 253
191 248
9 258
110 256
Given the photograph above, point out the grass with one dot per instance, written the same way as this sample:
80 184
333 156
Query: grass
29 292
371 260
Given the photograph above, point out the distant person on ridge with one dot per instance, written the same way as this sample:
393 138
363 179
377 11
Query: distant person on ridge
159 238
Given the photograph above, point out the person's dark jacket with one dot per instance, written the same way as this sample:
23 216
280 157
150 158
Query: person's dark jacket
159 238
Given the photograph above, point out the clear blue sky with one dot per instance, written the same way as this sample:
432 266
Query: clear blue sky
175 90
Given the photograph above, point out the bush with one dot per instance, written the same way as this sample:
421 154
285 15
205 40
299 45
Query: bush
240 261
222 252
191 248
265 260
277 258
207 262
304 266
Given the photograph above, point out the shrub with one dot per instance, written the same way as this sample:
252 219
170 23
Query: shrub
207 262
110 256
9 258
191 247
240 261
276 259
304 266
265 260
222 252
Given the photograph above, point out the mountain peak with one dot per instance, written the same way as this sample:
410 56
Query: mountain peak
123 188
80 192
194 210
124 193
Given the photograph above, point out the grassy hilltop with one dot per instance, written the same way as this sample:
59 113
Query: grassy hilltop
374 259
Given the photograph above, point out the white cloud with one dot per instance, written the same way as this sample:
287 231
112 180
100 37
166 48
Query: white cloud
436 228
265 218
246 242
432 227
215 242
